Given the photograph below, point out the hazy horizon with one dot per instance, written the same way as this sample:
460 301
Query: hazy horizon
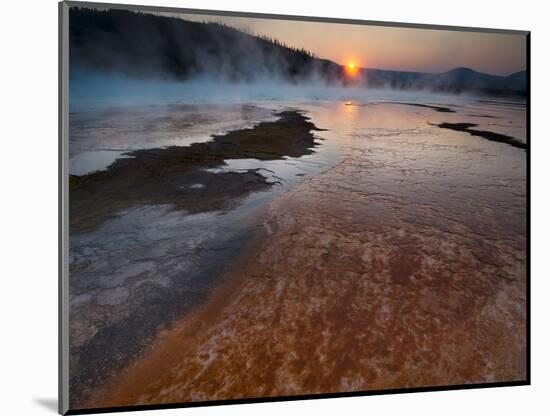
388 48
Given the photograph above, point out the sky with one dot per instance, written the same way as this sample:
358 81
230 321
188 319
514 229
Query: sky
404 49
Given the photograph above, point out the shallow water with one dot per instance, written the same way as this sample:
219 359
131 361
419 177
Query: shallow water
403 201
100 135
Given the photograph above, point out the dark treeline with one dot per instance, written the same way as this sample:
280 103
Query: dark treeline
147 46
144 45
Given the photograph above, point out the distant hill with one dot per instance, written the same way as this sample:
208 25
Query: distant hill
145 46
456 80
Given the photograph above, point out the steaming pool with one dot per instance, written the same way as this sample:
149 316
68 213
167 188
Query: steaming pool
384 182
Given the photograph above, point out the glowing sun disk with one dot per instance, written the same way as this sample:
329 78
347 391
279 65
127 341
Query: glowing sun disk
351 68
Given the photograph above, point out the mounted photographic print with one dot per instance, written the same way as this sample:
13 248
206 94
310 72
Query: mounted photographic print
259 208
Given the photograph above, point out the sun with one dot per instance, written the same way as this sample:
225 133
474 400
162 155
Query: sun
351 69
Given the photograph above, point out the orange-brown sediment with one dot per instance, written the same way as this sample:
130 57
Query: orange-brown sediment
348 291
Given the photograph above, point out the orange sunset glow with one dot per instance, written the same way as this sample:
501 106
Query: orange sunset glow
351 69
391 48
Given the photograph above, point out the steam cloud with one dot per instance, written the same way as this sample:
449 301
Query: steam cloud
113 51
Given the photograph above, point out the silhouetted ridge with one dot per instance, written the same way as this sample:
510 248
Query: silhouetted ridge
456 80
143 45
147 46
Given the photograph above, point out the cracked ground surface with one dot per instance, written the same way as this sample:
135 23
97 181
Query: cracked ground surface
401 264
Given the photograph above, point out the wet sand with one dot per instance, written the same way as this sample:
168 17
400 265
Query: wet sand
402 266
